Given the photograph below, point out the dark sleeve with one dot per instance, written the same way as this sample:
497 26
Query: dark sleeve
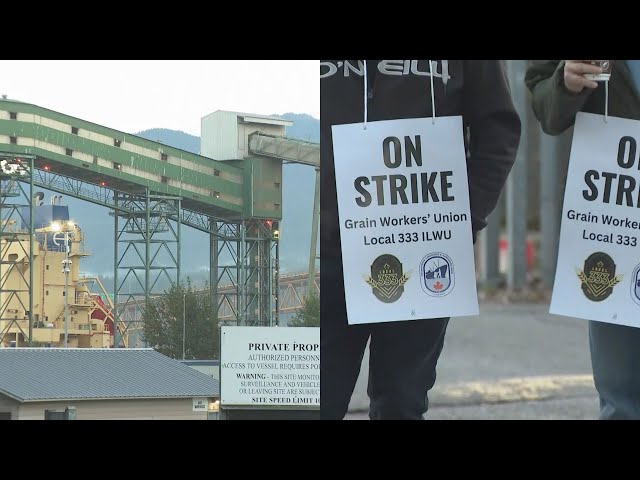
555 107
494 135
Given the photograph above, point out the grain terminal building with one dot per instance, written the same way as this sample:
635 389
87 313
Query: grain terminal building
102 384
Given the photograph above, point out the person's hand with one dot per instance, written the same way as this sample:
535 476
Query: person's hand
574 71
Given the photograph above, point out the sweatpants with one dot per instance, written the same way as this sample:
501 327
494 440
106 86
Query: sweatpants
615 358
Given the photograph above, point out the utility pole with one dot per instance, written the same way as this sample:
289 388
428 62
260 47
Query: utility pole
65 270
67 230
184 323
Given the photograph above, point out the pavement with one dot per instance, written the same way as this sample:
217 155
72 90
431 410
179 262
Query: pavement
512 362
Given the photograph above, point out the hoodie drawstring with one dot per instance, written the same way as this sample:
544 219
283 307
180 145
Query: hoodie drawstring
445 76
606 101
433 98
364 62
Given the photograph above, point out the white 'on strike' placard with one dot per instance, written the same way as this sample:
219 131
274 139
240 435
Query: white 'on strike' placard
405 222
598 269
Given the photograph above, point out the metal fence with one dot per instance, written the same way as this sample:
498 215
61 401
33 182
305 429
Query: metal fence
520 245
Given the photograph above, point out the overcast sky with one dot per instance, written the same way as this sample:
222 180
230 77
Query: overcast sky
135 95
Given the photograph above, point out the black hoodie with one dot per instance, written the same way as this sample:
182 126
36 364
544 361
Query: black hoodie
476 89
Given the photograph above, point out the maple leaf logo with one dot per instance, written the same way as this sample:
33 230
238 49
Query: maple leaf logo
438 286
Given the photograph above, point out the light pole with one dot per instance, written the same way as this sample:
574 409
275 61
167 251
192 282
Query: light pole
65 270
67 230
184 322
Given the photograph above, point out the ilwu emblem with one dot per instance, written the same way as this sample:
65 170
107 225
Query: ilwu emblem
635 285
436 274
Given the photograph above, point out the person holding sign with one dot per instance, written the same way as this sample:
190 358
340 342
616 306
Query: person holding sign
414 155
595 276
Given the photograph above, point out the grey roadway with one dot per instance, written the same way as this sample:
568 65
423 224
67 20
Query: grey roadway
511 362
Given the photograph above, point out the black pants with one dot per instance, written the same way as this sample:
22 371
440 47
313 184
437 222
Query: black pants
402 358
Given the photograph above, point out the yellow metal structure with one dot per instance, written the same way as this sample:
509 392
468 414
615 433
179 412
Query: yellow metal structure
49 299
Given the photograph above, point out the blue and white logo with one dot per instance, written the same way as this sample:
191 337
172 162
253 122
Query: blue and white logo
436 274
635 285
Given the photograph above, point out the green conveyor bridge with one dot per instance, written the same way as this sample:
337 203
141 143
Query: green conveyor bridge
152 191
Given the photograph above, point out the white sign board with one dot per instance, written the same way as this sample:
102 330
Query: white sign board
199 404
598 269
405 223
270 366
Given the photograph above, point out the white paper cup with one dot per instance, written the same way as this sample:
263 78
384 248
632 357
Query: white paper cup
606 71
602 77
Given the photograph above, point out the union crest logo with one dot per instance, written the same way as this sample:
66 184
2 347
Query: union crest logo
386 279
598 277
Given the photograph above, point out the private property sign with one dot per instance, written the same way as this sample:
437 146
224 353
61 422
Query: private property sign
275 367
